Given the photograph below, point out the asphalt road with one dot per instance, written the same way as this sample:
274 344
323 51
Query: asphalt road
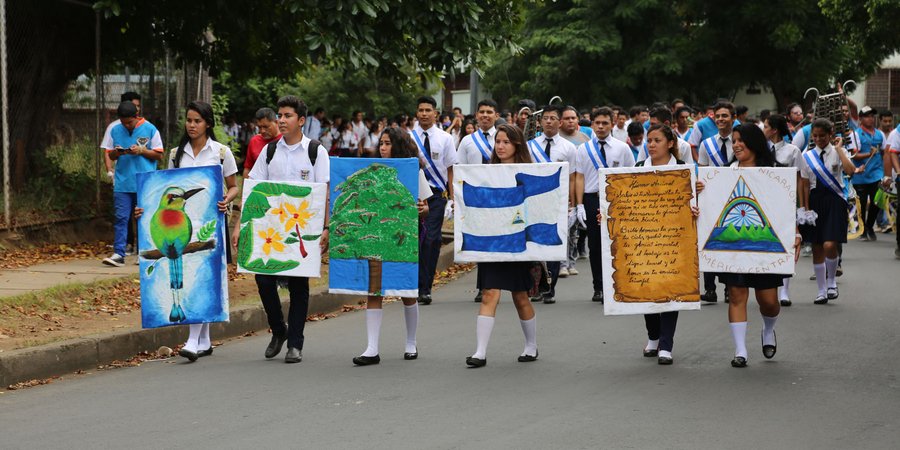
833 383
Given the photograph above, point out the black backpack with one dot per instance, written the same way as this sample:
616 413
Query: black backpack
312 151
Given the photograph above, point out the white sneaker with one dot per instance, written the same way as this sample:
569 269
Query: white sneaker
573 271
115 260
563 272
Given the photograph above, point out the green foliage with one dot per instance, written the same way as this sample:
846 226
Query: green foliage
640 52
273 266
374 218
751 233
206 231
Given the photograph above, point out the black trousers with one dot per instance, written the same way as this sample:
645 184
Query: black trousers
553 268
662 326
299 308
430 246
709 281
866 193
595 255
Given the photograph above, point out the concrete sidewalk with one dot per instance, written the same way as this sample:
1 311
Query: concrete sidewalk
43 276
85 353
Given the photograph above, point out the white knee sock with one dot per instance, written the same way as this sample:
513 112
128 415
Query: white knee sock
529 328
830 272
483 327
373 331
820 277
204 343
739 334
784 291
652 344
193 337
411 315
768 336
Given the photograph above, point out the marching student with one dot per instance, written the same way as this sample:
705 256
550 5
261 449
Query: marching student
662 147
683 128
198 147
294 157
751 150
436 150
620 130
869 142
663 116
509 148
603 151
822 191
477 147
703 129
550 147
716 151
775 129
267 124
636 139
394 143
892 170
568 127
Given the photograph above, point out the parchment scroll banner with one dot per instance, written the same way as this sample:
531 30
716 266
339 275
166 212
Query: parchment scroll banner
650 261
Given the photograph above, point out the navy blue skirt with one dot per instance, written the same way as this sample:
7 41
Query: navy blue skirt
506 276
831 225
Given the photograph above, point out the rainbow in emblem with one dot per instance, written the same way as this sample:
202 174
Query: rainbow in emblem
743 225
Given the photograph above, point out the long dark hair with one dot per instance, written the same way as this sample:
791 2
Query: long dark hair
670 136
517 139
779 123
755 141
206 113
402 146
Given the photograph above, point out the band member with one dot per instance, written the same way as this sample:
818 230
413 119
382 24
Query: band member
509 148
437 151
603 151
751 150
869 142
822 192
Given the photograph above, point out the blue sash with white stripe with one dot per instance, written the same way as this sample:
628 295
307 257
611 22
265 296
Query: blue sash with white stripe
823 175
431 173
599 155
537 153
481 144
716 157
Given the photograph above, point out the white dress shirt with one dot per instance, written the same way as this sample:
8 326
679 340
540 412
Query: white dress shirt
561 150
291 163
617 155
443 154
684 152
710 144
212 154
832 163
468 152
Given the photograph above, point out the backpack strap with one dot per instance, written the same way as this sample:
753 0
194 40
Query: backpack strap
270 151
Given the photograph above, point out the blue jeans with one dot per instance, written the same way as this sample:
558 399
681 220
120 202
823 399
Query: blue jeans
123 206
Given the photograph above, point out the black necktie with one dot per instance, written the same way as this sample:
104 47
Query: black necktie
603 149
724 148
547 147
822 156
427 143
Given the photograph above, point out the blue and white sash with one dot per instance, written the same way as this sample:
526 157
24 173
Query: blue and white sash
597 151
431 173
481 144
537 153
646 151
716 156
823 175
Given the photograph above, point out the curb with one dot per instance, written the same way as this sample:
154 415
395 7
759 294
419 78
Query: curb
60 358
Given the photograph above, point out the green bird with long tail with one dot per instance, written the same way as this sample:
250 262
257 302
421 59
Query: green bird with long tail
171 231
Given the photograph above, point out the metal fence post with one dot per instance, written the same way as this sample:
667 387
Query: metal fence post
4 104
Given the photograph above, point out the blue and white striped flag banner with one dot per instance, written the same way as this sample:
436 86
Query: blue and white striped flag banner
511 212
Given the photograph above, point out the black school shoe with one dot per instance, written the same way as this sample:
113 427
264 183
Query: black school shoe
475 362
598 296
710 297
769 350
425 299
366 360
529 358
739 361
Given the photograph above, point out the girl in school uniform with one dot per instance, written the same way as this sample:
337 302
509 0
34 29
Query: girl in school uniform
395 143
662 147
198 147
509 148
751 150
786 155
821 191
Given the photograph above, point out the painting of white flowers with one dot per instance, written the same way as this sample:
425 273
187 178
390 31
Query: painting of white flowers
281 223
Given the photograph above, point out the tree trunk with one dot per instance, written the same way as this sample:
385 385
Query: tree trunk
375 277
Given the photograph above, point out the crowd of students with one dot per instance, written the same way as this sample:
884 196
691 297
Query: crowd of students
292 144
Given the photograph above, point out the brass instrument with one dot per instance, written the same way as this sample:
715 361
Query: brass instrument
830 106
533 121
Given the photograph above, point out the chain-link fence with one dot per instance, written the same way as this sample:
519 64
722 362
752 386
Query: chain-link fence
57 110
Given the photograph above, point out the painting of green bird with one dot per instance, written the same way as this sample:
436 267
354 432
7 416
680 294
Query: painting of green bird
171 231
